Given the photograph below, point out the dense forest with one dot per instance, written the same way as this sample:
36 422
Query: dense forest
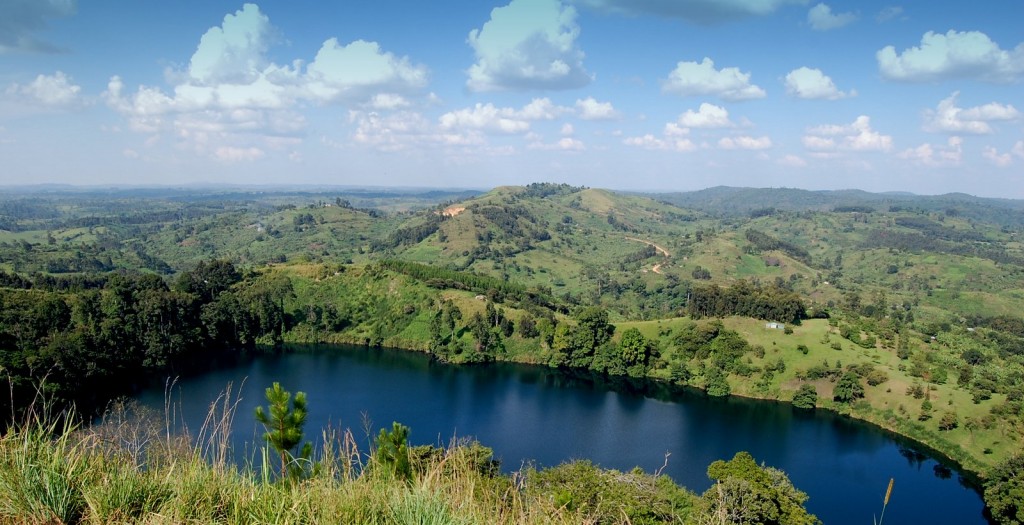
901 311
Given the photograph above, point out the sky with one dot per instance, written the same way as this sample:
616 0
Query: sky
653 95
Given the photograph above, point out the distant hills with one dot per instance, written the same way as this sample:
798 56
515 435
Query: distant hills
726 201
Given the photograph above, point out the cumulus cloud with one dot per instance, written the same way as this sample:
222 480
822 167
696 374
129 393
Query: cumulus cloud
20 20
492 119
928 155
693 79
400 131
822 18
707 116
1018 149
857 136
562 144
811 83
526 45
388 101
968 54
233 52
49 91
591 109
999 159
745 142
650 142
232 94
704 12
360 70
948 118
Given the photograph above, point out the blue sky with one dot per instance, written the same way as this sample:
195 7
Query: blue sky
623 94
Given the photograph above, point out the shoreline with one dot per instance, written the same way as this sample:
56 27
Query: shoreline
968 466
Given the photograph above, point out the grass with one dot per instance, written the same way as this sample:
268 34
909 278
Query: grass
132 469
888 404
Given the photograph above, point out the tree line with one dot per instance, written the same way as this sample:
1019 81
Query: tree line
89 343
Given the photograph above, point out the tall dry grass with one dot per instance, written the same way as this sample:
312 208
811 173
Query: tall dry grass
132 467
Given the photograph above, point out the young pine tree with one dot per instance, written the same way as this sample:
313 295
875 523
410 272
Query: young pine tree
284 425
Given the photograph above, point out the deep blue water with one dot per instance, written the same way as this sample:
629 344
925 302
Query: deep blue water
545 416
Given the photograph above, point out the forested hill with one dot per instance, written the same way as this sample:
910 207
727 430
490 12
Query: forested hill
731 201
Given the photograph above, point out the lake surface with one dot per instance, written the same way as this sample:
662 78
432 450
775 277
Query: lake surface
546 416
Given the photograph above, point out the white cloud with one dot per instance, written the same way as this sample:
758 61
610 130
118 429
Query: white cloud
388 101
675 130
567 129
745 142
231 96
528 44
707 116
811 83
1018 149
651 142
360 70
51 91
393 132
233 52
792 161
857 136
20 20
591 109
817 143
692 78
969 54
563 144
948 118
233 154
705 12
888 13
492 119
928 155
999 159
822 18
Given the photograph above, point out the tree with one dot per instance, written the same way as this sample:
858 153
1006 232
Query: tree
948 421
1004 491
745 492
806 396
634 348
450 316
716 383
392 451
848 388
284 426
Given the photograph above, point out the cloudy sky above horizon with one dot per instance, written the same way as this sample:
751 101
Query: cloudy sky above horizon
622 94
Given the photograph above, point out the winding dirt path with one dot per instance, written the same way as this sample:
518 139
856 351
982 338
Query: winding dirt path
659 249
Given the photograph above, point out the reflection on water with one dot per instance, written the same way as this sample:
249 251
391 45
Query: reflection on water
534 414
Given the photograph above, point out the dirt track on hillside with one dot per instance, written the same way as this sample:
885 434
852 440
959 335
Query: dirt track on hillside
657 267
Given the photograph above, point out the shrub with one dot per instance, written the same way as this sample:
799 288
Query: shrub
806 396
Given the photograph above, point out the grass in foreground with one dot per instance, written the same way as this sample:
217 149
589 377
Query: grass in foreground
129 469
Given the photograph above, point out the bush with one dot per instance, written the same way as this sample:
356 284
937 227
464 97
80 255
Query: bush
609 496
805 397
877 377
